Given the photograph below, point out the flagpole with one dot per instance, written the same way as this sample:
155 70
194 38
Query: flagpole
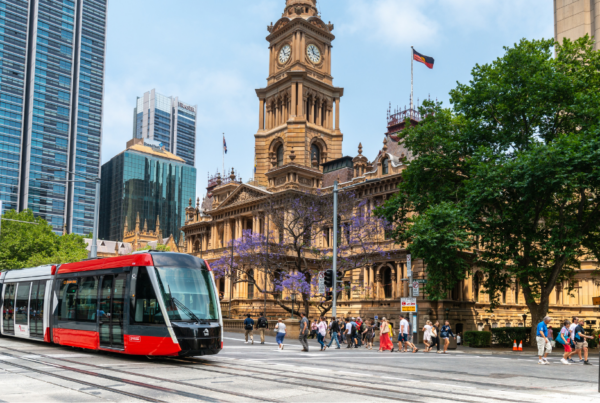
412 58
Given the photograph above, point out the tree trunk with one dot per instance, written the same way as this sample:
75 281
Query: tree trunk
538 312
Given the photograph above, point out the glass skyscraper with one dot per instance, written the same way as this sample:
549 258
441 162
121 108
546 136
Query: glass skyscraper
168 121
51 88
145 179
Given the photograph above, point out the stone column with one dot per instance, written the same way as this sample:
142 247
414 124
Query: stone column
300 106
394 288
337 114
294 110
310 111
319 112
261 114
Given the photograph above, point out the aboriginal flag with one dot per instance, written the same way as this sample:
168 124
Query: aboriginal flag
224 145
426 60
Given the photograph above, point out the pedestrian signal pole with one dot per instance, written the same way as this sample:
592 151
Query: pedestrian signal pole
335 237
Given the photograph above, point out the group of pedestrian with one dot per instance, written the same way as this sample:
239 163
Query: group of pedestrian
572 337
355 332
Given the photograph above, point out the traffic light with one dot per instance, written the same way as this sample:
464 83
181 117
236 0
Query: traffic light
328 295
339 277
329 278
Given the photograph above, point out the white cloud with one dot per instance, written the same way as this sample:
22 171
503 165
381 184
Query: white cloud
402 23
391 22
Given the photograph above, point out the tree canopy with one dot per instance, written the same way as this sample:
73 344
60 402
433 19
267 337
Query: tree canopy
507 182
28 245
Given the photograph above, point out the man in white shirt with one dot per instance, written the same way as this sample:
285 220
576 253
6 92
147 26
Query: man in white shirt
403 335
350 336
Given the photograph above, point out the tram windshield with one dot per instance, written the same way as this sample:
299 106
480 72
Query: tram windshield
188 293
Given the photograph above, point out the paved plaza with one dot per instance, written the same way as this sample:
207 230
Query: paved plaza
38 372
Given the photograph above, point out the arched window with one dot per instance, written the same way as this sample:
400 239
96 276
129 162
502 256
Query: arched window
315 154
386 166
477 281
280 155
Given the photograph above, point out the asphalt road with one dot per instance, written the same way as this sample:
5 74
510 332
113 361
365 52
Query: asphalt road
37 372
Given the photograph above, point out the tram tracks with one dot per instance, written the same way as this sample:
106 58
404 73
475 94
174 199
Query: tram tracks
384 387
81 382
379 382
123 380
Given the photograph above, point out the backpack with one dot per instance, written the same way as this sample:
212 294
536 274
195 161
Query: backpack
262 322
248 325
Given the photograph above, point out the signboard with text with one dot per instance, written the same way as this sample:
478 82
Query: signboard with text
415 286
321 277
408 304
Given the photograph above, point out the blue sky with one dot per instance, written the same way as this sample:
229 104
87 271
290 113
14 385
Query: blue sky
214 54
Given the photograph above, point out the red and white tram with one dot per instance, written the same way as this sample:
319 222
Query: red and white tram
155 304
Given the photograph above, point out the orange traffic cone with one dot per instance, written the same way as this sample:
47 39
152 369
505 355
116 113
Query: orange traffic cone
515 348
520 345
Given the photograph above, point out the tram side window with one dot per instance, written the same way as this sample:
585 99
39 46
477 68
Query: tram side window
147 310
87 298
22 303
67 299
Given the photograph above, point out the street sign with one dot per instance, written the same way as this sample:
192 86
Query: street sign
408 304
376 317
415 289
595 300
321 277
408 266
422 281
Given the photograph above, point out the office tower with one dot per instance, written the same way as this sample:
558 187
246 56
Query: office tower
575 18
52 79
147 181
168 121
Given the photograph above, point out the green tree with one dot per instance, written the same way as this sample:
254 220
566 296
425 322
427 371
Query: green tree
159 247
513 171
27 245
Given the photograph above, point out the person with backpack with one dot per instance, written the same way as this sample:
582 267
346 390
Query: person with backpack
581 341
334 326
446 332
359 331
262 325
368 335
564 338
248 328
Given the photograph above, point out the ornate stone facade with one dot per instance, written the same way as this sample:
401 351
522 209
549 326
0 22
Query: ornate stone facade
231 206
299 109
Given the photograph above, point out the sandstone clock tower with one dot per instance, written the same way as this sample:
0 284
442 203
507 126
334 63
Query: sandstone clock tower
299 108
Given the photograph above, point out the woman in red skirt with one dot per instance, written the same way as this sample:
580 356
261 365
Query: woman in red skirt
385 343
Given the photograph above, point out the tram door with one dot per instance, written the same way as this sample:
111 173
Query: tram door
8 310
112 305
36 309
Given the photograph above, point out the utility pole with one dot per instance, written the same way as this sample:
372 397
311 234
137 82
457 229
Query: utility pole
410 289
335 238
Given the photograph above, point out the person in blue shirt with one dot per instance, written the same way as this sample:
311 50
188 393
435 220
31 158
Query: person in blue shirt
446 332
248 328
543 342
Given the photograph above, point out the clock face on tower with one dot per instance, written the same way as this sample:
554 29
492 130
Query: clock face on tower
313 53
284 54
